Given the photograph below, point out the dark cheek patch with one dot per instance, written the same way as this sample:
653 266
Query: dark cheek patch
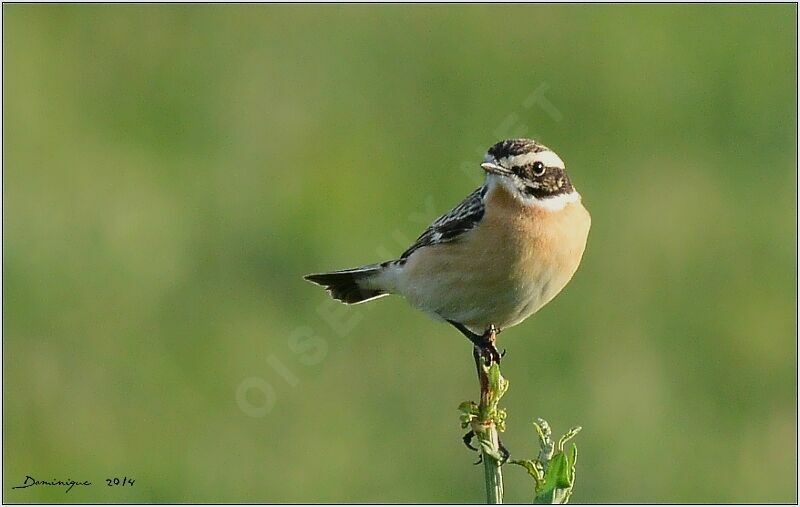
554 182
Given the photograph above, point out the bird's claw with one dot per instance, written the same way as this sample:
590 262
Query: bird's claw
468 440
489 351
485 343
504 454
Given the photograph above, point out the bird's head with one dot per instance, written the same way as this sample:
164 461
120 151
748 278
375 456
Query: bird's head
528 170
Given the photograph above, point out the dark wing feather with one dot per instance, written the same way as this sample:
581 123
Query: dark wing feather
452 224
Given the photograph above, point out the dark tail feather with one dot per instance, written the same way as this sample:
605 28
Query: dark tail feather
344 285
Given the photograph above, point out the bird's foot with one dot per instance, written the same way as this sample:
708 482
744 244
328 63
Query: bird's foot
485 343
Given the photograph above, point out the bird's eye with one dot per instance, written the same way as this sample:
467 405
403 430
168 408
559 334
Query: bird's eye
538 168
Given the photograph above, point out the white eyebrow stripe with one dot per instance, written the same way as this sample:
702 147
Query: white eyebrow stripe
547 157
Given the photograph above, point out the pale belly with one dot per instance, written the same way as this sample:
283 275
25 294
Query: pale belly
500 273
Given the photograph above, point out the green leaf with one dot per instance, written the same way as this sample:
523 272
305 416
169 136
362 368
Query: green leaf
545 497
572 458
558 472
553 470
468 407
533 469
567 437
556 477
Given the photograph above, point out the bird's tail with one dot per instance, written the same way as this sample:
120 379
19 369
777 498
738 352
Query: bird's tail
351 286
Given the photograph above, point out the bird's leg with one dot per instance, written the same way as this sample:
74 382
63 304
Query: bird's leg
488 347
485 342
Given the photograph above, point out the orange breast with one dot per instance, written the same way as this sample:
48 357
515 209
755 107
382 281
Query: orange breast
516 260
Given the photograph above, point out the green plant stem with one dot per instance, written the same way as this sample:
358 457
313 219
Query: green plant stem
491 450
492 471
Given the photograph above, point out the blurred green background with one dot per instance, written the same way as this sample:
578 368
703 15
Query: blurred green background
170 173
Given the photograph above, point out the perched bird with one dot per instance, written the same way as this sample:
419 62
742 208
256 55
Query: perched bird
493 260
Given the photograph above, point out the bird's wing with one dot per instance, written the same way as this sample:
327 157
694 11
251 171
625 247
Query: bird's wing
452 224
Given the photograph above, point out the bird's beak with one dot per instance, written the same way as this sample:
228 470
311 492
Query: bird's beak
495 169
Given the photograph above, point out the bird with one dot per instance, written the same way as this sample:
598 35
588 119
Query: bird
493 260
